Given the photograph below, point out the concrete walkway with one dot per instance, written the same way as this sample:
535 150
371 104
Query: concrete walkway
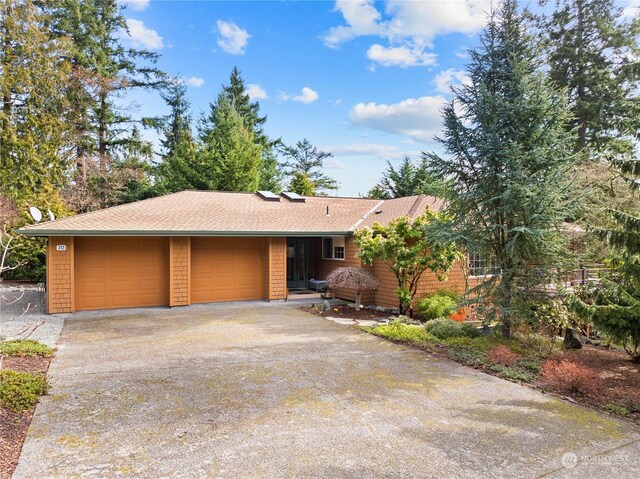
257 390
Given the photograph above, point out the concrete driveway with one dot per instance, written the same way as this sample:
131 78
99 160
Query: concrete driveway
265 390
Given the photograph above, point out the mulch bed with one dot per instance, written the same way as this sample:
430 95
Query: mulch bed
618 379
13 426
344 311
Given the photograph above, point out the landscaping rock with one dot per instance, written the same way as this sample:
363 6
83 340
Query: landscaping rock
573 339
367 322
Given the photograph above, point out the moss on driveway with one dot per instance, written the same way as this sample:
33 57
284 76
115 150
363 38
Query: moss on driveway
265 390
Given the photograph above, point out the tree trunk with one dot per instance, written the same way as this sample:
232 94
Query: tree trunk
506 309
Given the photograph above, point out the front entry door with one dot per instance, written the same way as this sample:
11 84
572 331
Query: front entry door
296 263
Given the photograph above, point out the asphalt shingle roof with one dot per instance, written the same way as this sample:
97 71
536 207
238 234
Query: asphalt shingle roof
235 214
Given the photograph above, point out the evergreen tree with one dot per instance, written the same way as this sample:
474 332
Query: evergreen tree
229 158
301 184
509 153
614 308
103 72
236 94
594 53
306 160
34 159
409 179
176 170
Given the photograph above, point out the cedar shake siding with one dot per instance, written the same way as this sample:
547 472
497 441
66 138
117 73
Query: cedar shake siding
206 246
180 271
60 270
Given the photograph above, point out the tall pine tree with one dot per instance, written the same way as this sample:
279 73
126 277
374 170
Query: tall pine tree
593 52
407 180
176 170
236 94
229 158
509 154
304 164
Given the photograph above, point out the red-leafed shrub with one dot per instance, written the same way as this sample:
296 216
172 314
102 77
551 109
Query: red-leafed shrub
459 315
564 375
502 355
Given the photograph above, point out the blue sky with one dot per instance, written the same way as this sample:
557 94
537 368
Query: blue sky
364 80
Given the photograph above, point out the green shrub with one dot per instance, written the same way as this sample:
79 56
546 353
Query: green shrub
437 305
397 331
20 391
24 347
446 328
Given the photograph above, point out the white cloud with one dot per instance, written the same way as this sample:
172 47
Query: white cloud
418 118
137 5
141 36
451 77
232 39
334 164
308 95
632 9
364 149
400 56
409 27
256 92
194 81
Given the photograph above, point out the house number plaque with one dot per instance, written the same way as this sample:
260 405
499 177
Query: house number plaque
61 247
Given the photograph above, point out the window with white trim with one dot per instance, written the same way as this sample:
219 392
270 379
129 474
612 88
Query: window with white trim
482 266
333 248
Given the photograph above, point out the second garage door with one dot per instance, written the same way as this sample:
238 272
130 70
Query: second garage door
226 269
121 272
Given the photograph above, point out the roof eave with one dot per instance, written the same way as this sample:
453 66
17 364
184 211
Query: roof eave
276 234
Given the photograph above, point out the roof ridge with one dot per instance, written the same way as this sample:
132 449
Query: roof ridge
366 215
414 207
110 208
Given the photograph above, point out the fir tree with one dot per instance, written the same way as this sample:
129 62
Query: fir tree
236 94
509 153
409 179
104 70
594 53
305 159
177 168
229 158
614 307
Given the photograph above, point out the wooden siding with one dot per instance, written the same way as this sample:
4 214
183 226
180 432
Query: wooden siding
60 275
179 271
277 268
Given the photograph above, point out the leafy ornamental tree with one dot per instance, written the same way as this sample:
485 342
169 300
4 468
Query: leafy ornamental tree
303 160
408 251
350 277
409 179
593 52
615 307
509 156
229 158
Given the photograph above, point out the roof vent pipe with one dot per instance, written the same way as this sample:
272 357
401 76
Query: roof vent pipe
327 210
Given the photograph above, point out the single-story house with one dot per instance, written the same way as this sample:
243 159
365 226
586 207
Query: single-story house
207 246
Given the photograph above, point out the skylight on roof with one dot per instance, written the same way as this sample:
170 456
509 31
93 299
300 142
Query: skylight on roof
293 197
268 195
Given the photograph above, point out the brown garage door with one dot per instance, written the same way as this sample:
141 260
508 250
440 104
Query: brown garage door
121 272
226 269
